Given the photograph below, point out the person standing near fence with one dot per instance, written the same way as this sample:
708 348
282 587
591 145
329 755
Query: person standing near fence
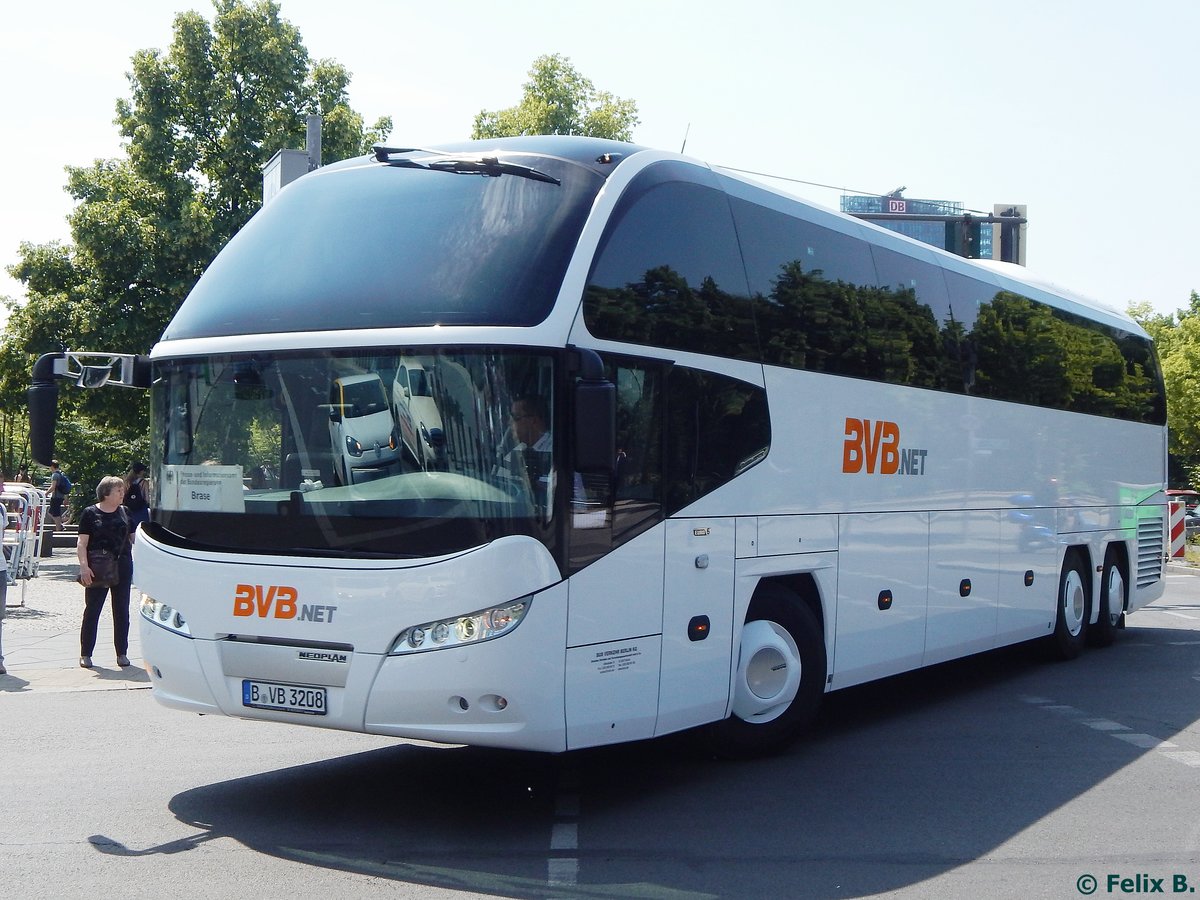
137 497
105 565
60 489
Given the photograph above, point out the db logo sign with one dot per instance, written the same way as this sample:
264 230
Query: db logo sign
875 448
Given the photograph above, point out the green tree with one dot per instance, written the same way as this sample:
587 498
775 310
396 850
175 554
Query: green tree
200 122
1177 337
559 100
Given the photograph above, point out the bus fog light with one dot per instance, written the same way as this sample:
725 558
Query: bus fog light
457 631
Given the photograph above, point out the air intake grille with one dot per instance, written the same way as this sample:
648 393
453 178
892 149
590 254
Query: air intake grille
1150 551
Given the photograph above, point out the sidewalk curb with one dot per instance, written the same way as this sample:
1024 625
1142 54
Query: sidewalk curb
40 639
1175 568
69 681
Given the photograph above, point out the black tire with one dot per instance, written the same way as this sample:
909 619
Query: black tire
1114 591
1073 609
741 738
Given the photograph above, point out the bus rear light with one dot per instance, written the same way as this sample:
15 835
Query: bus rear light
472 628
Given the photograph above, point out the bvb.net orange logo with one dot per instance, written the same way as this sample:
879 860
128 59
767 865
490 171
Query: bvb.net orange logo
869 444
249 599
875 447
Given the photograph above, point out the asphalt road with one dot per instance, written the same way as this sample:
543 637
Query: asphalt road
1001 776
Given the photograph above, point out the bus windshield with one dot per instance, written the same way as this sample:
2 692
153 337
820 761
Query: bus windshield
396 454
368 245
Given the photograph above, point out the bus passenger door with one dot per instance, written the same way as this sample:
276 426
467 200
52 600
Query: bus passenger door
613 641
697 623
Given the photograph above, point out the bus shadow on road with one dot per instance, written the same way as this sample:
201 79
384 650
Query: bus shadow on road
901 781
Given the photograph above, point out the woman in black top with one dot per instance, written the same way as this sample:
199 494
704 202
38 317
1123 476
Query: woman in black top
105 526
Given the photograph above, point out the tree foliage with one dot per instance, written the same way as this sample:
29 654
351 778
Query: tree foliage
1178 339
558 99
200 122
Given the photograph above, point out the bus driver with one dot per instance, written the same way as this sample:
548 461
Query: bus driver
531 455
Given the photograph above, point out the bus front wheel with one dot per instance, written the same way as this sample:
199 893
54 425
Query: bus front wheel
780 678
1073 609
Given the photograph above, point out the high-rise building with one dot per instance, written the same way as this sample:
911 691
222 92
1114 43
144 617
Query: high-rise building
935 233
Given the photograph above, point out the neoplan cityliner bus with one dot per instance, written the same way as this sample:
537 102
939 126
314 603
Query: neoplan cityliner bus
770 452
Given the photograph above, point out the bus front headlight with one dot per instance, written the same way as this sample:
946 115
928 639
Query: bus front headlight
456 631
164 616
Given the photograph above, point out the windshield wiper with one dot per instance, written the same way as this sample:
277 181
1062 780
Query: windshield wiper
490 166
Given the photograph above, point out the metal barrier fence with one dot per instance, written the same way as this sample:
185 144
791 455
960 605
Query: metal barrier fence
25 527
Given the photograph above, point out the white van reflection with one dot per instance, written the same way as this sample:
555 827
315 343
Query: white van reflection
417 414
361 430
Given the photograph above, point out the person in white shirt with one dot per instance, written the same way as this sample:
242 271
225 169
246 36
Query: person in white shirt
531 457
529 424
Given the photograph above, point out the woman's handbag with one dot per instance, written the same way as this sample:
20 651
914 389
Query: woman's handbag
104 569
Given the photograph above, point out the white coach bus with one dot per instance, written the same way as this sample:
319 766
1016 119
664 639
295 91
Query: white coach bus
704 452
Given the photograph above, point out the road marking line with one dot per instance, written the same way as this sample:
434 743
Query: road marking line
1167 612
563 870
1187 757
1145 741
1105 725
1121 732
564 836
1065 710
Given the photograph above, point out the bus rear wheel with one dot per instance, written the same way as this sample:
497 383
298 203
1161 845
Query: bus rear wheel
780 678
1113 590
1073 609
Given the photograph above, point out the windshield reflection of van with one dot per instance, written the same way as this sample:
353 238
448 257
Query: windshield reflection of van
362 434
417 413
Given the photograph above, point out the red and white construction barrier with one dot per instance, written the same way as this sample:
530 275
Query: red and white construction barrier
1177 529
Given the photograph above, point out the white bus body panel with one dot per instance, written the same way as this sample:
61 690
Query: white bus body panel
694 687
418 694
1027 544
964 581
1002 490
880 554
506 692
620 594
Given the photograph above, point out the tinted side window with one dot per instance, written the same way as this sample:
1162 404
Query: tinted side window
904 338
607 513
668 272
811 287
717 427
1032 353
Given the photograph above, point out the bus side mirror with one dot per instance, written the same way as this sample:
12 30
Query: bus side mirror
595 417
42 397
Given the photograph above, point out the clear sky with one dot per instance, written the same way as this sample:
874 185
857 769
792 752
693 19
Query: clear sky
1085 110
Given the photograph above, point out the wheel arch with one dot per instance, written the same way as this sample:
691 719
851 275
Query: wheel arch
1083 553
802 584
